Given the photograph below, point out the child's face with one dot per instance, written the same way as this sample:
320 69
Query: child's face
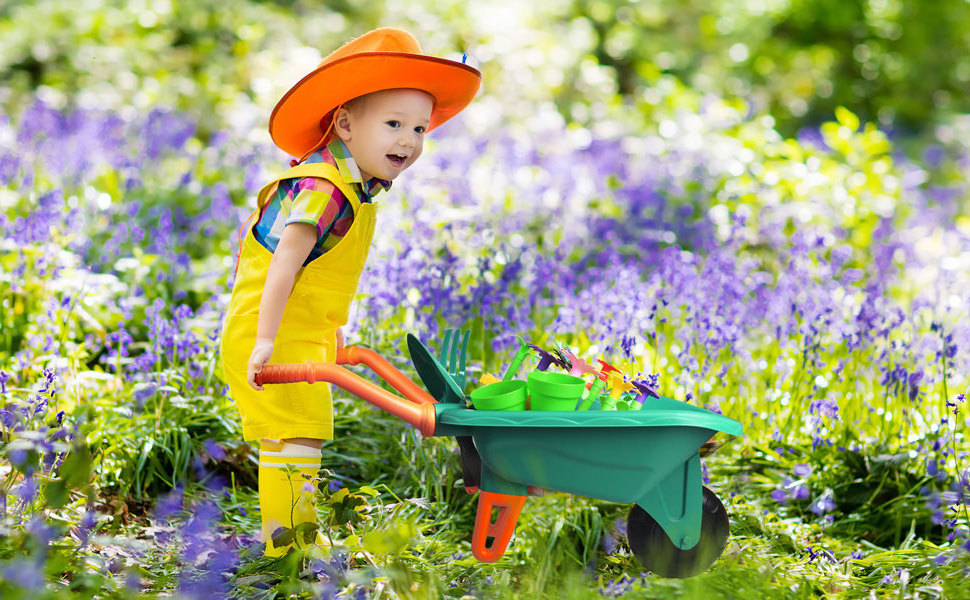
385 134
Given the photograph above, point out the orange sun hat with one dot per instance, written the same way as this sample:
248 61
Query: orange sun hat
381 59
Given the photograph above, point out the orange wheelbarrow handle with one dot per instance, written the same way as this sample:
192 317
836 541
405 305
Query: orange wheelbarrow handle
417 408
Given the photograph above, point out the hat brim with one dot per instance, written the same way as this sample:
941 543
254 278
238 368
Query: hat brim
294 125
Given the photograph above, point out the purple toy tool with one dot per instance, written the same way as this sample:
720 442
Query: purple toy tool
547 358
644 389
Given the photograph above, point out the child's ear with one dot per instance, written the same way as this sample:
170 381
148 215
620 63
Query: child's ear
342 124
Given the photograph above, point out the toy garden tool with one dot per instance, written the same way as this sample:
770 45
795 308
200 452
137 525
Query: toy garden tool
594 392
513 369
563 359
456 368
443 385
617 387
435 376
547 358
644 390
580 367
606 367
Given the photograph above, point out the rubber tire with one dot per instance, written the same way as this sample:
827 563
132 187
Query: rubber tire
658 554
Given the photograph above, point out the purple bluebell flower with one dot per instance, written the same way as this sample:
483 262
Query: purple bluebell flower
199 467
822 504
608 542
86 526
27 490
26 574
133 581
40 531
169 504
214 450
618 587
18 457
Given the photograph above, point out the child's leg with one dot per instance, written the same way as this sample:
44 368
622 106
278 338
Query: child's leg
311 442
283 501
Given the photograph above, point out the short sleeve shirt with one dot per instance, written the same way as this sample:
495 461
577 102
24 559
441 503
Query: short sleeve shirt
317 202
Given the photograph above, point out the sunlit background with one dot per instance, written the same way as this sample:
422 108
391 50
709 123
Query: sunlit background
760 205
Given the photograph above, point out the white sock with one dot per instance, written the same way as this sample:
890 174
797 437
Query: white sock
288 452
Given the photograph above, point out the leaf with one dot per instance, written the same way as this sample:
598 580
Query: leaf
146 449
420 502
253 579
346 510
366 489
55 494
75 471
283 536
307 531
391 540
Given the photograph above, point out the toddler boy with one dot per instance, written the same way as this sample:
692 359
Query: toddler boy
356 122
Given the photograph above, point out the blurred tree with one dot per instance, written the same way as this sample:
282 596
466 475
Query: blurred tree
197 56
902 62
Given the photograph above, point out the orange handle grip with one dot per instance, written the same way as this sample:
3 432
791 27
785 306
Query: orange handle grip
501 530
418 410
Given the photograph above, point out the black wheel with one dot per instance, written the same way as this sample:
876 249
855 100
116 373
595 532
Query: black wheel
658 554
471 461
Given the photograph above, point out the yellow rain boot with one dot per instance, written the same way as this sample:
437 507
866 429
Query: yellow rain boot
286 501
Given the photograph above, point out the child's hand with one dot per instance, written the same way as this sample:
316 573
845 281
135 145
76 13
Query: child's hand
340 338
262 351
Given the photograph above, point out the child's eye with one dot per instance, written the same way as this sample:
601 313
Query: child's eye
420 129
393 123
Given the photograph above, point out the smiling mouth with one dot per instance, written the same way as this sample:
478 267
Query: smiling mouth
396 159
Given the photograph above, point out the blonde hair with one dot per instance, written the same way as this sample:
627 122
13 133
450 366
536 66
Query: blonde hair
357 106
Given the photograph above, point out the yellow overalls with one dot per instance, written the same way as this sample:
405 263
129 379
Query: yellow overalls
318 304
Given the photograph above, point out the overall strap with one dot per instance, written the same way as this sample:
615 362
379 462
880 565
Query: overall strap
321 170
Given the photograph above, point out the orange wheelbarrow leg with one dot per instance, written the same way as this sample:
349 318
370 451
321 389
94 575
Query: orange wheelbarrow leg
501 530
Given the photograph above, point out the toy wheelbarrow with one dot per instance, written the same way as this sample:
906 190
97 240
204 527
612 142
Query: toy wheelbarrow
676 527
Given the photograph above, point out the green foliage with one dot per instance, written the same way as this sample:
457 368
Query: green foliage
144 451
893 61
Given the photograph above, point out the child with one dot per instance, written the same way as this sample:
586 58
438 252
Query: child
356 122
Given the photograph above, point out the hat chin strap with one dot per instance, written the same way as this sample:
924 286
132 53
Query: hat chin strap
319 143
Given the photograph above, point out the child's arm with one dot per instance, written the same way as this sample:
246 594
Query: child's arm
294 246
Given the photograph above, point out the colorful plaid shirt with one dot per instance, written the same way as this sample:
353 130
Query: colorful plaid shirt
300 200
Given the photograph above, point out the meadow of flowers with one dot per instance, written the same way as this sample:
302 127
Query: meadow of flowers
813 288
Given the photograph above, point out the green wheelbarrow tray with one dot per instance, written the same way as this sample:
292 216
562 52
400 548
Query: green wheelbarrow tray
649 457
